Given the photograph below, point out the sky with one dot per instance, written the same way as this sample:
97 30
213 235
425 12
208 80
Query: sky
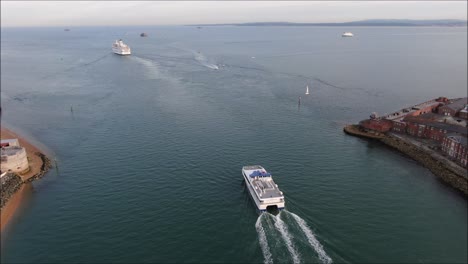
118 13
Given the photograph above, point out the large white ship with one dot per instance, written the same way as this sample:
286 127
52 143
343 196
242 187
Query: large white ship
262 188
347 34
121 48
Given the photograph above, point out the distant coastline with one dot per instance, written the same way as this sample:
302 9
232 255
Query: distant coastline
361 23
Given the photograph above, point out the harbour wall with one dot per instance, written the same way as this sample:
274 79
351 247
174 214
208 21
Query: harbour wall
447 171
10 184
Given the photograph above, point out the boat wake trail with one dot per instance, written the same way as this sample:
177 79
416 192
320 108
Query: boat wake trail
263 240
200 58
281 226
312 239
152 71
286 237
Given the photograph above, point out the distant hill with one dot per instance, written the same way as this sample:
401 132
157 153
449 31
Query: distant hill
370 22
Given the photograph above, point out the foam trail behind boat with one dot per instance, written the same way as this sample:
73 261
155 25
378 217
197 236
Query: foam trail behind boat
204 61
281 227
312 239
152 71
263 240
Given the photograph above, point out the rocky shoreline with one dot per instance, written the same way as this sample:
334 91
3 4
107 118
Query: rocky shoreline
453 175
14 182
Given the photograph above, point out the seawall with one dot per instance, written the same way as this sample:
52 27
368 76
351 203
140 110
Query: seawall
450 173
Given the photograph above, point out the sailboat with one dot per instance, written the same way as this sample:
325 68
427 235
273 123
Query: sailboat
307 90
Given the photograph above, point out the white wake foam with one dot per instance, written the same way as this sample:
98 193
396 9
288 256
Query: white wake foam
311 238
281 227
204 61
263 240
152 71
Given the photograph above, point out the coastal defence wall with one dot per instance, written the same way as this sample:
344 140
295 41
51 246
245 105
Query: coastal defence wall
440 167
14 159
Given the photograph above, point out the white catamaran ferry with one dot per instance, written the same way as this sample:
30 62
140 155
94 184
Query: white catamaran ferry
121 48
262 188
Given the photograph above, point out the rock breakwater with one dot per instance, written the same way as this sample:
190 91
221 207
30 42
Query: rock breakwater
10 185
13 181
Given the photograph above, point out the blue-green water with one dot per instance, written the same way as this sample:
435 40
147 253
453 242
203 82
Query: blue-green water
150 157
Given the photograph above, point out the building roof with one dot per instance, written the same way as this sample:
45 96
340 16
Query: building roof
460 139
433 117
439 121
10 141
450 128
402 113
9 151
457 104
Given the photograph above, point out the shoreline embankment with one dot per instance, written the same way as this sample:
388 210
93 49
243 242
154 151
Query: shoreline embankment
441 167
13 188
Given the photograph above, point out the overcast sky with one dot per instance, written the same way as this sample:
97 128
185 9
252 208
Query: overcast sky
110 13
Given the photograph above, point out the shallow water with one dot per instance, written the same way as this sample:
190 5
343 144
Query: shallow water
150 146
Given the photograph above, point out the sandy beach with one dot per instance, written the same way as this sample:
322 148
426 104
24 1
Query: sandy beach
35 163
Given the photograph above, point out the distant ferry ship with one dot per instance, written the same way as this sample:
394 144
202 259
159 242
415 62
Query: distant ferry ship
121 48
347 34
262 188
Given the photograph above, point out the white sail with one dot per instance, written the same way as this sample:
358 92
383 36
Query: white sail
307 90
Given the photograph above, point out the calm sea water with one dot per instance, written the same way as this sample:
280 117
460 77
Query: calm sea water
150 146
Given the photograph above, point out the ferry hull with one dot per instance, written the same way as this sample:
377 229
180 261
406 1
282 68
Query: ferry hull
122 53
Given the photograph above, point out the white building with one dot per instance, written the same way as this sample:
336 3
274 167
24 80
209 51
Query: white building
13 157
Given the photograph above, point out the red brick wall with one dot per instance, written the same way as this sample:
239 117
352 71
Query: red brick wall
399 127
380 125
425 131
456 151
463 115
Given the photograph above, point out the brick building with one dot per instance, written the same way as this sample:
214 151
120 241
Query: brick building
441 120
464 113
433 126
455 146
453 107
379 125
398 118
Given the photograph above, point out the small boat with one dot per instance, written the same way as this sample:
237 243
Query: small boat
347 34
307 90
143 34
263 190
121 48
